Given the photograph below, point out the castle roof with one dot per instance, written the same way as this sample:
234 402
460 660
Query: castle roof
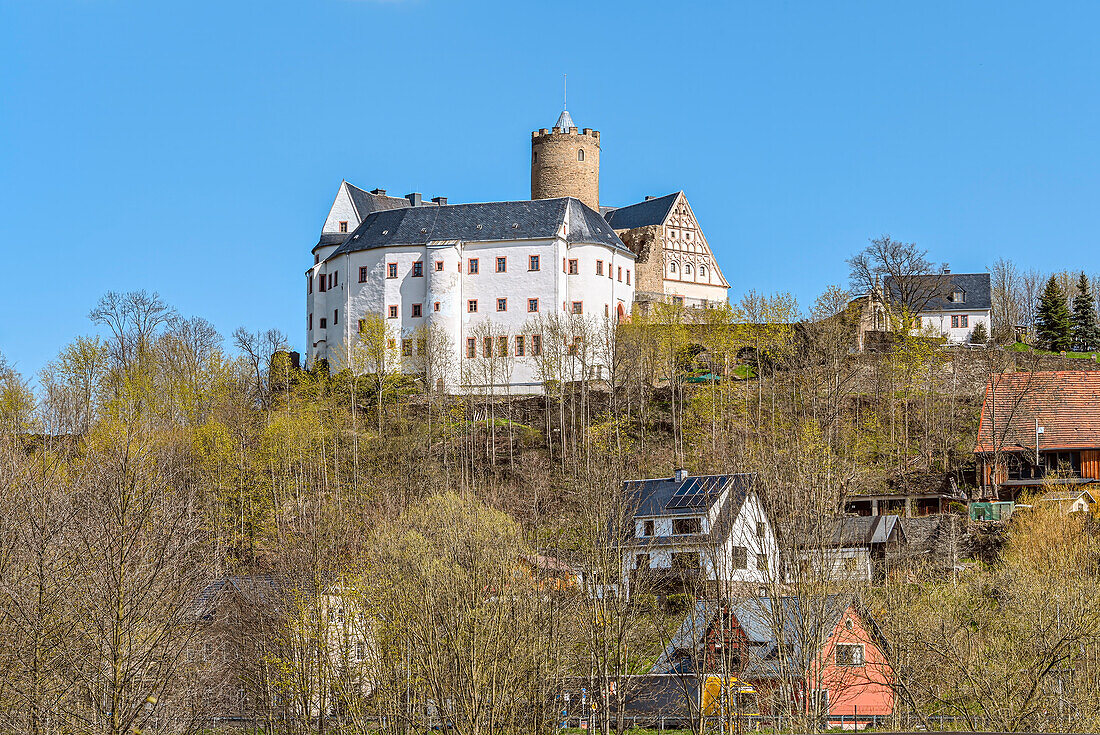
650 212
565 121
486 222
366 202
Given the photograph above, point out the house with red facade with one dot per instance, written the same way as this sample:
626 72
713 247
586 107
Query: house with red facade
821 655
1039 429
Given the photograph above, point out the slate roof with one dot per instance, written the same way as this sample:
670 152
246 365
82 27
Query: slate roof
366 203
772 632
654 497
650 212
1067 404
866 530
487 222
977 293
331 238
259 588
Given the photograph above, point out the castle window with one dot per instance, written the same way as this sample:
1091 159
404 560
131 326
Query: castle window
487 347
406 348
417 309
502 347
321 277
502 304
311 322
391 270
324 323
573 267
519 345
362 325
472 270
628 276
393 311
471 347
502 264
438 265
316 258
536 345
309 284
344 226
534 156
418 269
599 267
578 307
580 154
671 267
336 317
362 274
620 273
687 270
533 263
532 305
703 271
471 306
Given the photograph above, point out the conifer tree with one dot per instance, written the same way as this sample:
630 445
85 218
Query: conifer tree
1086 332
1053 323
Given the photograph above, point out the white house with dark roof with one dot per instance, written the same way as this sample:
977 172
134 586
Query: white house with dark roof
695 533
953 305
481 275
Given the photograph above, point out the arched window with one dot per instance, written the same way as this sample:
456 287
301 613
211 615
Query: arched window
580 154
671 267
687 270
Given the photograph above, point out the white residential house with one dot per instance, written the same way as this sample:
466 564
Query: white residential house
481 275
855 549
1070 499
695 534
953 305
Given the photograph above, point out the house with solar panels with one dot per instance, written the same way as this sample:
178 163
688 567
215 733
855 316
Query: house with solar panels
695 535
479 278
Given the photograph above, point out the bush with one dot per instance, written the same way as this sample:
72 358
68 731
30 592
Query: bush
979 336
678 604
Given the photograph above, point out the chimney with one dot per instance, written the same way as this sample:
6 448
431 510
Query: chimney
648 197
681 474
946 268
414 198
441 201
378 192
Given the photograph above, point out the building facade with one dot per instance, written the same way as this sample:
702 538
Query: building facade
477 278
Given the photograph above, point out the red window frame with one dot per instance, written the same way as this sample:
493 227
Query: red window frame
471 306
620 273
536 345
471 347
519 346
393 311
343 225
502 347
438 265
599 267
574 267
418 269
577 307
487 347
502 264
532 262
417 310
532 305
628 276
391 270
502 304
472 267
362 274
435 306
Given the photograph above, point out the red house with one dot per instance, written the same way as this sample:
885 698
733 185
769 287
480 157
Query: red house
820 655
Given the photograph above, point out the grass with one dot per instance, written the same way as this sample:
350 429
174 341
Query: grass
1021 347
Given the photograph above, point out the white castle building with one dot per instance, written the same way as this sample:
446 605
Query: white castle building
490 281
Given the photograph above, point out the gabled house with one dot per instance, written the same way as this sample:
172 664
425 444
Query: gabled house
1039 429
692 534
816 654
1070 500
948 305
858 549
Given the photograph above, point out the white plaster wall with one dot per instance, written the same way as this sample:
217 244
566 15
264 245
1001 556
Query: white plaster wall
940 323
453 290
341 210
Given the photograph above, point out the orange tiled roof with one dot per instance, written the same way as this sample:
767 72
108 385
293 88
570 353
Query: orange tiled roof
1067 404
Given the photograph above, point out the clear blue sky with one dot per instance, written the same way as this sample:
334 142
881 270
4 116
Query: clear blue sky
193 148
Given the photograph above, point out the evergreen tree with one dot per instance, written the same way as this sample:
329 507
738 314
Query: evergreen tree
1052 322
1086 332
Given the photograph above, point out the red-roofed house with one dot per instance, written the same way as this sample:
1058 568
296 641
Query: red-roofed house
1039 428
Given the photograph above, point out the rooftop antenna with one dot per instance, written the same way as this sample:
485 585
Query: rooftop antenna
565 91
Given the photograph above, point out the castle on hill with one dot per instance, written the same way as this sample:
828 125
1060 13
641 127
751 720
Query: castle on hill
485 278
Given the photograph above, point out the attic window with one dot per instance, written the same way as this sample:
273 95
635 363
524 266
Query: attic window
344 226
849 624
958 296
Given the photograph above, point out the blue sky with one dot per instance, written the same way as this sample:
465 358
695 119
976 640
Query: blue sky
194 148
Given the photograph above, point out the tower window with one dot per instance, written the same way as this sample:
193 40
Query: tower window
534 156
324 323
580 154
599 267
436 306
439 265
417 309
574 268
335 317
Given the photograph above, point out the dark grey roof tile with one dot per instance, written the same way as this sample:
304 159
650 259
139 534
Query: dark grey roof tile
650 212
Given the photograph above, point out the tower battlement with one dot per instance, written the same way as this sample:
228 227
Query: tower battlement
565 162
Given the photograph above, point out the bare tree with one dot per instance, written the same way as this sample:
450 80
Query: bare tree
1008 304
901 273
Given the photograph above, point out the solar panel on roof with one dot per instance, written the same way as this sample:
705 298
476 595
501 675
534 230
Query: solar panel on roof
696 492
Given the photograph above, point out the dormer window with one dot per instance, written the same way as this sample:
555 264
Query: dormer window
681 526
647 528
957 296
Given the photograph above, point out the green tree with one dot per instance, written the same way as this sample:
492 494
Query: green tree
1086 332
1053 323
979 335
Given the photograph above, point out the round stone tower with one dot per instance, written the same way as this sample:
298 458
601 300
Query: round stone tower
566 163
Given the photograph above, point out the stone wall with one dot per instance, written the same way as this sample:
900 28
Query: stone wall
647 244
556 170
